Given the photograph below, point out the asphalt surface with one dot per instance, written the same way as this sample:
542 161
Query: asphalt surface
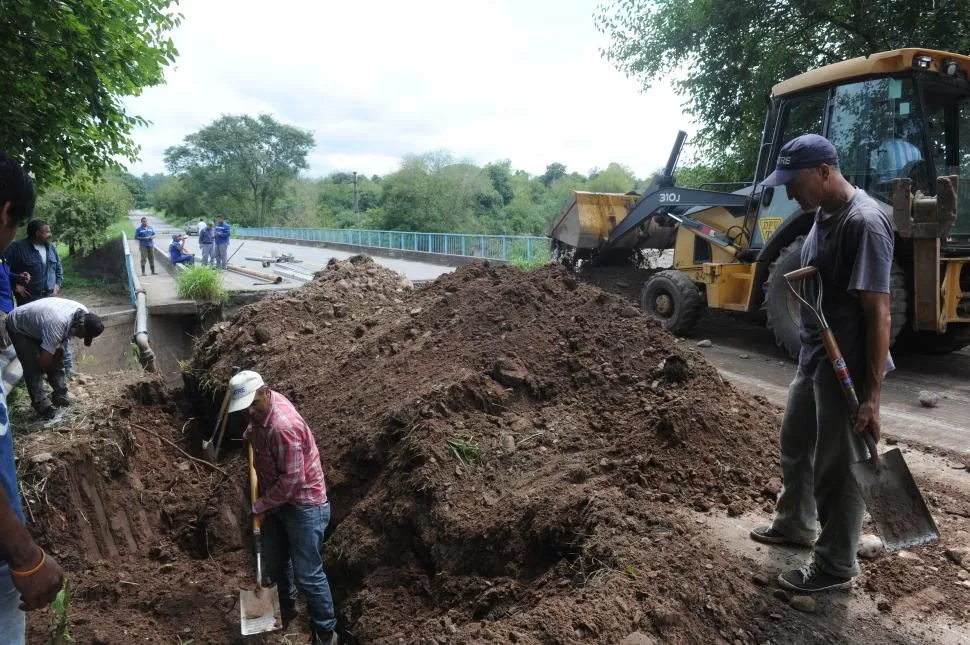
312 258
767 370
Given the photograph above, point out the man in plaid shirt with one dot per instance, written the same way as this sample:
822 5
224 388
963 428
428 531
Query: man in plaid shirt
293 497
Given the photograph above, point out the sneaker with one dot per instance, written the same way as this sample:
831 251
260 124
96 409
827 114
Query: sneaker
811 579
768 535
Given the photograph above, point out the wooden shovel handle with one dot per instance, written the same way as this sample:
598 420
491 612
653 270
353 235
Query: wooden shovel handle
254 489
801 274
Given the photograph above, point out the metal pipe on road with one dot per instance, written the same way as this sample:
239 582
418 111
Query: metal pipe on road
293 273
270 279
145 354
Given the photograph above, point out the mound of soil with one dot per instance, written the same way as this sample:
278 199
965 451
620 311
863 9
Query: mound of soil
509 454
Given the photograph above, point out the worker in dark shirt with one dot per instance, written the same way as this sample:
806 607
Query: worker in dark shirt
36 256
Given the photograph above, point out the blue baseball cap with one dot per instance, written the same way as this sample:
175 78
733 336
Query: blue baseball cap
806 151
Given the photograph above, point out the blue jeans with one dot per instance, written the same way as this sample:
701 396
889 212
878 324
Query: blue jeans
13 622
294 541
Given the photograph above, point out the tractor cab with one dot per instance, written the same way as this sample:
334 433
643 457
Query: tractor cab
911 121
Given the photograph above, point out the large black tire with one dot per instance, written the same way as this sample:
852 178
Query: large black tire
783 310
672 298
781 307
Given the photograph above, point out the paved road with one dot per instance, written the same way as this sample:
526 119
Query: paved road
768 371
313 259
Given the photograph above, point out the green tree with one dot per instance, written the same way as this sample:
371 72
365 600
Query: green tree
134 185
554 171
67 67
727 55
616 178
81 212
243 160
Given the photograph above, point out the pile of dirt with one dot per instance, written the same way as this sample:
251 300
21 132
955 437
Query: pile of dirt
511 457
510 454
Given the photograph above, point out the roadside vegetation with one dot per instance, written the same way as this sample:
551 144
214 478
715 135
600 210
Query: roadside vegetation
200 283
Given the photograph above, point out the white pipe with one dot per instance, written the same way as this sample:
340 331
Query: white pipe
145 354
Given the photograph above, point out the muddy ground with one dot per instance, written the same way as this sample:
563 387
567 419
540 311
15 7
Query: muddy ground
511 457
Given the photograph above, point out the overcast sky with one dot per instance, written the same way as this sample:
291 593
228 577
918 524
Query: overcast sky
375 80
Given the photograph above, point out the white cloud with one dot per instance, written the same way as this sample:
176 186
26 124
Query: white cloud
378 79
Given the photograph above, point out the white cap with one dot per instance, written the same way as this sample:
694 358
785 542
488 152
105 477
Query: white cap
242 388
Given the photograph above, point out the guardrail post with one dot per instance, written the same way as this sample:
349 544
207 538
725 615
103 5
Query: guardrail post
528 249
505 244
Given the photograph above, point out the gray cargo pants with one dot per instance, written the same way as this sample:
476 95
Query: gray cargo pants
28 351
817 445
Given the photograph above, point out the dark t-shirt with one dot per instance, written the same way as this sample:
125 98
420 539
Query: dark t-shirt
853 250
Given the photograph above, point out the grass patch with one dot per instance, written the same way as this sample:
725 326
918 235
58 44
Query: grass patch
201 283
465 451
528 265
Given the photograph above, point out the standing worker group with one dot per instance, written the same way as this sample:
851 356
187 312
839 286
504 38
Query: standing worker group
851 245
293 497
221 235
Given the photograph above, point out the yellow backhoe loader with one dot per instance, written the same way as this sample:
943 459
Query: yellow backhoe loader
900 121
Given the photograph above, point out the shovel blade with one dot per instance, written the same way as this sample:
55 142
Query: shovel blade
259 610
897 508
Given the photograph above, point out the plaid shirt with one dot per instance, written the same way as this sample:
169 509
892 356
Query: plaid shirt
286 458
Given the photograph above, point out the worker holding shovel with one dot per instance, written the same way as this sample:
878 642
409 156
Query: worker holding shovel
293 499
851 244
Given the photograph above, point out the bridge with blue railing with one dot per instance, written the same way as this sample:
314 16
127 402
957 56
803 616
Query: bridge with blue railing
508 248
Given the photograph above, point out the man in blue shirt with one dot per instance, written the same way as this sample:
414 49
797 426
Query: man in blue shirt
206 238
176 252
221 234
29 578
37 256
145 235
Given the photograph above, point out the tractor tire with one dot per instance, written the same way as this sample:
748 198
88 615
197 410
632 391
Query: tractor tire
782 309
898 302
673 299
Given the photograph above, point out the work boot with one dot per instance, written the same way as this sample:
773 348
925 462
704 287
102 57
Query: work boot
811 579
288 611
322 637
46 414
64 401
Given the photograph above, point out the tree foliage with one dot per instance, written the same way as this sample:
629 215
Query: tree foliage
67 67
240 164
724 57
81 212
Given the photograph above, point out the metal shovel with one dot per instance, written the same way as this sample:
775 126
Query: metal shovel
208 446
259 608
894 502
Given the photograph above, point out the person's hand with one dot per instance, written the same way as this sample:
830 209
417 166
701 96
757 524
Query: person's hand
867 419
57 289
25 276
39 589
21 291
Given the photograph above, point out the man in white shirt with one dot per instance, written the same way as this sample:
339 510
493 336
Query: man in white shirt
201 226
39 330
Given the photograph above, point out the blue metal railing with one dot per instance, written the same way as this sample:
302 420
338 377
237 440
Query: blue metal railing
509 248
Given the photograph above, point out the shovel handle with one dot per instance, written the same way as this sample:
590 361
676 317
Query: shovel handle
254 491
801 274
848 388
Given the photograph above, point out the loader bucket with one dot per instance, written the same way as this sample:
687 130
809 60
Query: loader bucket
588 218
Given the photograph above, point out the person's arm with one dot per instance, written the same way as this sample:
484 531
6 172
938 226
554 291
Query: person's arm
17 548
289 465
58 269
875 307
